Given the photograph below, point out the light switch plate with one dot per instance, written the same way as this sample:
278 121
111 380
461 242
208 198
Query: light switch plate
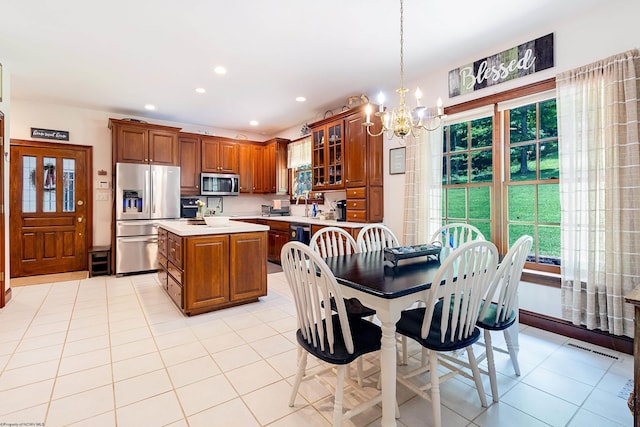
103 197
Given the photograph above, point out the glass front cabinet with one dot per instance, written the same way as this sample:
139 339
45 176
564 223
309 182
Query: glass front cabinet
328 146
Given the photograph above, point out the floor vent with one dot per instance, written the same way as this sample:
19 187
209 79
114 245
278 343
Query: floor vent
611 356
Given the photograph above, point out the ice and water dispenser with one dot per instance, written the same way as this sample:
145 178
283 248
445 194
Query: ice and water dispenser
132 201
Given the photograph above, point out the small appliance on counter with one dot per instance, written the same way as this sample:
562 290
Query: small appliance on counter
341 210
277 208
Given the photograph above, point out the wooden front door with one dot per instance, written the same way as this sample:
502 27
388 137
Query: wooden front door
50 224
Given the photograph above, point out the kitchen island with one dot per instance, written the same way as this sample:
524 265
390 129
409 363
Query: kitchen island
207 268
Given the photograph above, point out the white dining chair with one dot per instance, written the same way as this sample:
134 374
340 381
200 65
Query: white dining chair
333 241
500 309
455 235
375 237
330 335
448 321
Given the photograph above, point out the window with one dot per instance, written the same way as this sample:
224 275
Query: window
501 173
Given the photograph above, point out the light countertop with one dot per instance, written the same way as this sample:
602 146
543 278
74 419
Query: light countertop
183 228
304 220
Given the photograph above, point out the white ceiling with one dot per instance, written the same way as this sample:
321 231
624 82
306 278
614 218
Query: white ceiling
119 55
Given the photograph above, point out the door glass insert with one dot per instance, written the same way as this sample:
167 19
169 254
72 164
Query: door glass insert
49 184
69 185
28 184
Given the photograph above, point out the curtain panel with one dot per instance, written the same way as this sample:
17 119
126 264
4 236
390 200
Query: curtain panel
599 152
423 187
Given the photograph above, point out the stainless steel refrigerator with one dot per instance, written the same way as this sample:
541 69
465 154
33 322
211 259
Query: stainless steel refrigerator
144 194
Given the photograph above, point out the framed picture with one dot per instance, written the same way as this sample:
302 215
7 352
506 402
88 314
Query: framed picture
397 157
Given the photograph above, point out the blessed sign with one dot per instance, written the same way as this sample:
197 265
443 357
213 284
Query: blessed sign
527 58
58 135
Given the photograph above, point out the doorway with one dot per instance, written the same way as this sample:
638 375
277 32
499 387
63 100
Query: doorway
51 214
5 295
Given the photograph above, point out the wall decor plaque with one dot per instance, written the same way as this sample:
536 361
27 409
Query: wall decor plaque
58 135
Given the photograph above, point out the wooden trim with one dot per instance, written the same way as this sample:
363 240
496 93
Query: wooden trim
141 125
540 278
622 344
7 296
518 92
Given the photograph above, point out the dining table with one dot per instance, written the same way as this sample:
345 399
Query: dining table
388 289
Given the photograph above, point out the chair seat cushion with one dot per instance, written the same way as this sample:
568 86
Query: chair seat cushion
366 339
492 325
354 307
410 325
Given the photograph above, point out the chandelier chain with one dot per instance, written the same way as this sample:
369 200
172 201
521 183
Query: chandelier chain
401 44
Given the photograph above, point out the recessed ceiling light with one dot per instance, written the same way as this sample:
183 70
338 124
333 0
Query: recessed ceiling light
200 90
301 99
149 107
220 70
254 123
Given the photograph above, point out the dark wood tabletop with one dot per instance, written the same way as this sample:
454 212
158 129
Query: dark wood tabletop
369 273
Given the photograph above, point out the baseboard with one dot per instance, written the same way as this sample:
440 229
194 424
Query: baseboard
563 327
7 296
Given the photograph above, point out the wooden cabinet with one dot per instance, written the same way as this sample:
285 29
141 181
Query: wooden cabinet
134 142
278 236
219 155
351 230
209 272
328 156
263 167
363 169
190 164
247 283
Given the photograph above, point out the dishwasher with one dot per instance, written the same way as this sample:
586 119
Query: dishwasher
300 233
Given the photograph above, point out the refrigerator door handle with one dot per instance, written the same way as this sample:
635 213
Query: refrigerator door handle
137 239
153 184
146 192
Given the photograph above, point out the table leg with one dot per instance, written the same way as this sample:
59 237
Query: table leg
388 369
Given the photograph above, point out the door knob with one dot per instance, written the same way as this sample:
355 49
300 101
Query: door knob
79 219
80 203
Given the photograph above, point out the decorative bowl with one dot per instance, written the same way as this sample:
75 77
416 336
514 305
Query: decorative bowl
216 221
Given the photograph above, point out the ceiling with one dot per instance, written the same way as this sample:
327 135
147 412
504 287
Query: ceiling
119 55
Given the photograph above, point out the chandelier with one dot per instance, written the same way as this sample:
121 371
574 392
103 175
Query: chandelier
402 120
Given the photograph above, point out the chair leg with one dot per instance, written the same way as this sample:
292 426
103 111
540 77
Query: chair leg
511 338
337 404
435 389
302 366
360 370
476 376
491 365
405 355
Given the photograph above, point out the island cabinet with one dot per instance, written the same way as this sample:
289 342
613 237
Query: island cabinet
219 155
190 163
134 142
345 156
214 271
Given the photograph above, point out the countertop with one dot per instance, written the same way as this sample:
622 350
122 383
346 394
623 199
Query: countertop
183 228
304 220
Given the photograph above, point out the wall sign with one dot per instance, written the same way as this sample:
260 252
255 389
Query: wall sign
527 58
58 135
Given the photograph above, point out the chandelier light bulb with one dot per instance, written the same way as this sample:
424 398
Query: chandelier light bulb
367 110
381 101
418 96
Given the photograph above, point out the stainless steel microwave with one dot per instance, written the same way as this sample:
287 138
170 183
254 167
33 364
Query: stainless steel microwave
219 184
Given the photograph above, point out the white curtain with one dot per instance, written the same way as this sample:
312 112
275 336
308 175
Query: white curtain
599 155
423 187
299 153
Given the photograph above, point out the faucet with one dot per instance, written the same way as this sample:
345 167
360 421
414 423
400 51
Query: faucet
305 196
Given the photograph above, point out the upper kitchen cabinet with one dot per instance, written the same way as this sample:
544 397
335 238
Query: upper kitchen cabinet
189 163
328 155
275 166
263 167
135 142
219 155
345 156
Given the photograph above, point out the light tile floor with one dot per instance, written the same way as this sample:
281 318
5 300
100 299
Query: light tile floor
112 351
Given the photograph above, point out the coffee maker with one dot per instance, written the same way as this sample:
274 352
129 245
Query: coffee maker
341 210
